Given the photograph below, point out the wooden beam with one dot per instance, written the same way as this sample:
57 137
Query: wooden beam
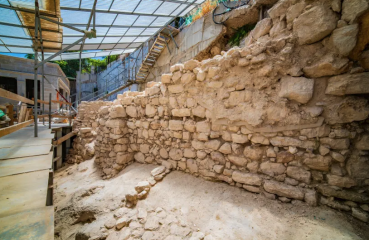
53 101
64 138
53 116
15 97
8 130
22 113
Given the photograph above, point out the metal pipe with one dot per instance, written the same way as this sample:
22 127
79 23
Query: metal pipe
23 26
19 9
35 73
62 24
49 110
61 51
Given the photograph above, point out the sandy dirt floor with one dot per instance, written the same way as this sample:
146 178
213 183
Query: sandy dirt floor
182 206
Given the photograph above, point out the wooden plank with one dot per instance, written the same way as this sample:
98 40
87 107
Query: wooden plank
33 224
10 113
23 192
26 164
64 138
24 151
22 113
8 130
28 114
15 97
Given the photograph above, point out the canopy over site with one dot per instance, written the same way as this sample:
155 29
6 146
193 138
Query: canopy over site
121 25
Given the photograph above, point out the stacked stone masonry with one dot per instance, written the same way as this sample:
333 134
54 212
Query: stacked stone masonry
286 116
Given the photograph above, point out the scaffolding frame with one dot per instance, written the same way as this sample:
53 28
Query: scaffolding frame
38 42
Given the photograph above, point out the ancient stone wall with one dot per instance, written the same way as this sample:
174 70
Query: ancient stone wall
86 126
286 116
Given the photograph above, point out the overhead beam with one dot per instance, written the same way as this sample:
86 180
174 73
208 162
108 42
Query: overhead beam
27 10
116 12
114 26
28 27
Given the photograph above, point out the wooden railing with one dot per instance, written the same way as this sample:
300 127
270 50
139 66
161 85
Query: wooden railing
25 114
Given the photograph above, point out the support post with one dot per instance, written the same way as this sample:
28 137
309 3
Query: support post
35 71
70 112
49 110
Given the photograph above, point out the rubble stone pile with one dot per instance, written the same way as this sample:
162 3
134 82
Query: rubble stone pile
285 116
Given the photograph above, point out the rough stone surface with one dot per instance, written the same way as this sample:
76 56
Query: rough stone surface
315 24
283 190
297 89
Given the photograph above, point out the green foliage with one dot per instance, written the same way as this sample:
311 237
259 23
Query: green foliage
70 67
30 56
240 34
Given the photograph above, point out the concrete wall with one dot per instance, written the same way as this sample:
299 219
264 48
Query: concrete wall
22 69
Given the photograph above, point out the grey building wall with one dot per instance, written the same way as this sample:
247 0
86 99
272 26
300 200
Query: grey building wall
22 69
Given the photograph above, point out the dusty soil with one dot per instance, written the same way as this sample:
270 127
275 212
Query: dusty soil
184 207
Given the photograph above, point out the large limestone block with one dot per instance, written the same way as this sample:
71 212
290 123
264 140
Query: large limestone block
254 153
131 111
175 154
199 111
299 174
315 24
150 110
163 153
339 144
358 167
191 65
152 91
272 169
166 78
346 110
297 89
247 178
344 182
175 88
348 84
188 78
198 145
328 65
363 143
238 161
344 39
343 194
225 148
192 166
189 153
124 158
139 157
294 11
117 111
283 190
353 9
262 28
203 127
175 125
319 163
279 9
183 112
115 123
212 144
239 138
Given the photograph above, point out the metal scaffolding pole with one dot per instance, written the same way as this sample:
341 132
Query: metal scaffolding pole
42 69
35 70
92 15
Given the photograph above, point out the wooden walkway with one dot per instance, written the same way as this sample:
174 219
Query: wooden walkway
26 185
